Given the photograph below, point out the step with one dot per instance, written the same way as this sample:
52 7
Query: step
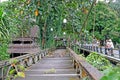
61 66
56 55
46 61
46 66
50 77
58 58
51 71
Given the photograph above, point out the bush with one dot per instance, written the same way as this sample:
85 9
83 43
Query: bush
3 52
111 74
98 61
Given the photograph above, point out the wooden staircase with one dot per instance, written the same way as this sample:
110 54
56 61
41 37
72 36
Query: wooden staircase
56 66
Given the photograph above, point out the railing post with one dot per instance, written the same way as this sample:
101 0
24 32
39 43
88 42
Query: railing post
119 52
89 47
85 47
74 63
94 48
106 51
101 50
1 73
29 62
111 52
35 59
97 48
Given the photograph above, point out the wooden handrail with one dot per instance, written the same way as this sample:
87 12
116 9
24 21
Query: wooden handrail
26 60
86 68
100 49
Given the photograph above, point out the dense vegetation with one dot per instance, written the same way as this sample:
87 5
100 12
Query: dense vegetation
98 61
103 22
111 74
110 71
85 19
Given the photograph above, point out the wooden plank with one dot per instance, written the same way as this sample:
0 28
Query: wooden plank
52 68
90 70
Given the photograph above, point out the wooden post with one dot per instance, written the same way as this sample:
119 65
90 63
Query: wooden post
119 53
101 50
112 52
74 62
106 51
90 47
97 48
94 48
1 73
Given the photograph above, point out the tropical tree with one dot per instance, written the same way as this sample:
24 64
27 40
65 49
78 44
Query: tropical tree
11 24
102 21
116 6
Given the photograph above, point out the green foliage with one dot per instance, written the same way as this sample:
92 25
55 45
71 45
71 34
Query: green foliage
13 61
103 21
111 74
14 22
16 70
115 6
52 15
17 16
3 51
98 61
12 71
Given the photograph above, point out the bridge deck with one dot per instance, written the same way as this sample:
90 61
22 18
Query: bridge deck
57 66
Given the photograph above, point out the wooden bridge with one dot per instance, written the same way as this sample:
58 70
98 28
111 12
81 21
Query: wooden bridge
100 50
57 64
60 64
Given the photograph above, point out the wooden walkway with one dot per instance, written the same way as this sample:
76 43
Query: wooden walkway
55 66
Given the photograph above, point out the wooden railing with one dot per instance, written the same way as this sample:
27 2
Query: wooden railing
83 68
100 49
25 60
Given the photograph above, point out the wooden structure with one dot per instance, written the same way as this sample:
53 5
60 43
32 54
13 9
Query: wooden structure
24 45
24 60
87 49
83 68
68 66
